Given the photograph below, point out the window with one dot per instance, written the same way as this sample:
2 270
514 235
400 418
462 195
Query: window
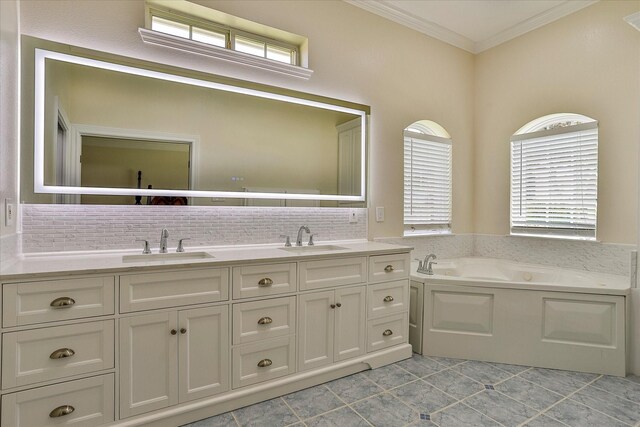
554 177
427 179
216 34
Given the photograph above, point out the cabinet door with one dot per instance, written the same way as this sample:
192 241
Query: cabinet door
203 352
148 363
316 329
350 323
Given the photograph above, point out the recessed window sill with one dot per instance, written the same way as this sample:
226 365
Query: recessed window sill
187 45
427 233
552 237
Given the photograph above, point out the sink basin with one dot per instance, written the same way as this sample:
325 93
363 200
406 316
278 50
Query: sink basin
313 249
173 256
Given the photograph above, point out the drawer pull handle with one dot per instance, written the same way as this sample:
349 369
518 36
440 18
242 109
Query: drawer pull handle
387 333
62 353
264 363
388 268
388 298
265 282
61 411
173 332
265 321
62 302
183 331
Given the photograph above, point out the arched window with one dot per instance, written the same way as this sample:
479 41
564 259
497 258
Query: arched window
554 177
427 179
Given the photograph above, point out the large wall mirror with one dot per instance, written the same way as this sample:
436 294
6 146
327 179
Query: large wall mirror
123 131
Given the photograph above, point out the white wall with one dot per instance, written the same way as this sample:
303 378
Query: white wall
357 56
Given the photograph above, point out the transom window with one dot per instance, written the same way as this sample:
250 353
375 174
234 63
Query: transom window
554 177
427 179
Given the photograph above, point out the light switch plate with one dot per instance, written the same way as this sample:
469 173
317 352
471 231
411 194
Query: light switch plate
353 216
9 212
380 214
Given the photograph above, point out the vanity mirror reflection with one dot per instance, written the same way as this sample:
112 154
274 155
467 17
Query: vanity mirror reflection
104 129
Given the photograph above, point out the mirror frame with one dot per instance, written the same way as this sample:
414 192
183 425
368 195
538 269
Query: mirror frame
41 50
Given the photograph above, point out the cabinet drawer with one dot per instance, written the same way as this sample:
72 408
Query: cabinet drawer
332 272
91 400
387 332
50 353
263 280
264 360
31 302
389 267
389 298
173 288
253 321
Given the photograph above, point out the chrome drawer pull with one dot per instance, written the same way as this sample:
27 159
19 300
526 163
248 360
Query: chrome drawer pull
388 298
61 411
388 268
265 282
264 363
387 332
265 321
62 353
62 302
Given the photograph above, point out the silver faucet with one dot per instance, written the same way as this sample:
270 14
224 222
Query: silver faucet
163 241
426 266
299 238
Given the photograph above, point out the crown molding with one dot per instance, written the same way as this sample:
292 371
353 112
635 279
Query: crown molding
633 20
387 10
424 26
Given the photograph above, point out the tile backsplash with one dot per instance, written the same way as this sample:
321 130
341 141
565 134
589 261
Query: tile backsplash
56 228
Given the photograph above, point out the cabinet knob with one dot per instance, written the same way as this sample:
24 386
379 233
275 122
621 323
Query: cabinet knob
62 353
388 268
264 363
61 411
388 298
173 332
338 304
265 282
183 331
62 302
387 333
265 321
332 306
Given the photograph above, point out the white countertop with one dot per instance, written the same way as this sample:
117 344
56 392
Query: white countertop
66 263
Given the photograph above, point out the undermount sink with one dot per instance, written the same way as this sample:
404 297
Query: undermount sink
172 256
310 249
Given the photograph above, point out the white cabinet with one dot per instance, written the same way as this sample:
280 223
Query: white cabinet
172 357
332 326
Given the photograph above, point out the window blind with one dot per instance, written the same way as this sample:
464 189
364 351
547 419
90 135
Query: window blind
427 180
554 182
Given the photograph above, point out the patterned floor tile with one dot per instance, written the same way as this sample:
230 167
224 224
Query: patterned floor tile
272 413
390 376
421 366
461 415
423 397
528 393
512 369
576 415
482 372
384 410
553 380
312 401
622 387
447 361
544 421
343 417
354 387
454 384
501 408
612 405
222 420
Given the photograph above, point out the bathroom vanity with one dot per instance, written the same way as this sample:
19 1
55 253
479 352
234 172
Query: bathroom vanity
94 340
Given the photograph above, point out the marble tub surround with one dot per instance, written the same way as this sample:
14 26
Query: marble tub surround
57 228
432 391
598 257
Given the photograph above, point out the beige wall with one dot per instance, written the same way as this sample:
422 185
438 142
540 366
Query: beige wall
355 55
9 78
587 63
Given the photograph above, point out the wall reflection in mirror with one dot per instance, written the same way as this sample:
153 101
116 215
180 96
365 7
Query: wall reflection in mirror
107 129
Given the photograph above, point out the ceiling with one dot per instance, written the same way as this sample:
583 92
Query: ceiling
473 25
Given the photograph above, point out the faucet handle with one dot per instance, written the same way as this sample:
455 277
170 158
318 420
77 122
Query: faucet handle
311 242
287 243
420 264
180 248
146 249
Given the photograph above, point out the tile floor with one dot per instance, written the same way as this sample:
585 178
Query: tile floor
432 391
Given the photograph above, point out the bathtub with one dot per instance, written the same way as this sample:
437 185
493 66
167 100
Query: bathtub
509 312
